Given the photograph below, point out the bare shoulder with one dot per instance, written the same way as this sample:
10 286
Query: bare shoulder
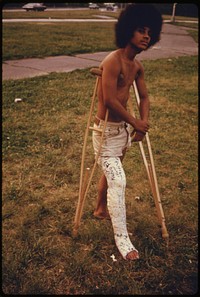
140 68
111 63
111 57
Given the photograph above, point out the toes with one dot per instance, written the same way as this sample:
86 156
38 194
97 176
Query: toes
133 255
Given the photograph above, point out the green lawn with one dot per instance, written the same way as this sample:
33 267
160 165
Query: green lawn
42 139
30 40
55 39
41 144
65 14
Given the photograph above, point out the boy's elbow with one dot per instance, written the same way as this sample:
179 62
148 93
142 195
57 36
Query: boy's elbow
144 98
107 102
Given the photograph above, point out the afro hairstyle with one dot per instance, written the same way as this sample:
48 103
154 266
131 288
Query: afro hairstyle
138 16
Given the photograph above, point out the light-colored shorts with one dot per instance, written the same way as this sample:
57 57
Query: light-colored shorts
116 139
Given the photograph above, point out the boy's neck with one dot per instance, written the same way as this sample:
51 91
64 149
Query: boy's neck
130 53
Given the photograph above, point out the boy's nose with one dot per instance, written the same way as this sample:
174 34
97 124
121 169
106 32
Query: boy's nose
146 35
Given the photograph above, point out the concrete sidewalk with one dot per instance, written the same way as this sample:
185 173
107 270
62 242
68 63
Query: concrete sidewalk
175 41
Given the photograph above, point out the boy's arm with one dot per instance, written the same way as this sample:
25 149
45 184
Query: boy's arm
144 101
143 93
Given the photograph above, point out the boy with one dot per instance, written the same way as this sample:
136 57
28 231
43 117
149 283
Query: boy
138 28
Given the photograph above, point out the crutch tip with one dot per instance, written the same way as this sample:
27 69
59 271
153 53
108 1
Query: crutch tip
74 232
165 235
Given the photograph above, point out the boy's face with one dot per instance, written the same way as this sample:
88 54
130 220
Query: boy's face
141 38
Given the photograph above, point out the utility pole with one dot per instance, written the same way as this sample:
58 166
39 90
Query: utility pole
173 13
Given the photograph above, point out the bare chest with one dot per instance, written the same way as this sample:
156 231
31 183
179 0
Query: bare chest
127 75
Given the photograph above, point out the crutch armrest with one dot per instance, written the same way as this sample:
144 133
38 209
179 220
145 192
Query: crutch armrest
96 71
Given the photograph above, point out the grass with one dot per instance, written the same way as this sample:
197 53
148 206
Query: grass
65 14
52 39
55 39
70 14
41 144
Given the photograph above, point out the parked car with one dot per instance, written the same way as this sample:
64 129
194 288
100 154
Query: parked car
93 6
109 7
34 6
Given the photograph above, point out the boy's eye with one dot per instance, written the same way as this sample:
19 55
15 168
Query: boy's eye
144 30
141 30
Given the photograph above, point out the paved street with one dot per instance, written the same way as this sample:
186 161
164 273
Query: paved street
175 41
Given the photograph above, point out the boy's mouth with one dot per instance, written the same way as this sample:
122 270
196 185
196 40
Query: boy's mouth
144 43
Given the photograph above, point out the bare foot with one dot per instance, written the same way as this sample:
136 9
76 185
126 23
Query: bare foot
101 215
133 255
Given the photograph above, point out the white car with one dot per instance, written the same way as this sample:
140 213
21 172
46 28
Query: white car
34 6
93 6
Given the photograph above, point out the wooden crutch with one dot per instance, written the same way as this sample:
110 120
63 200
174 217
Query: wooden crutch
130 103
86 180
151 172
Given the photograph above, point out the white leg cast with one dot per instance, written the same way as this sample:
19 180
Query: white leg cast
116 181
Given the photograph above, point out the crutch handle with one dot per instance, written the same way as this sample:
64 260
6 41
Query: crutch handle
95 129
98 72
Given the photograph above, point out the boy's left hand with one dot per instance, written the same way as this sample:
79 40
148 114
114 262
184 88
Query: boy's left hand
137 136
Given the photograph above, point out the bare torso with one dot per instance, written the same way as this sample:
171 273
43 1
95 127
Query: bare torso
129 70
